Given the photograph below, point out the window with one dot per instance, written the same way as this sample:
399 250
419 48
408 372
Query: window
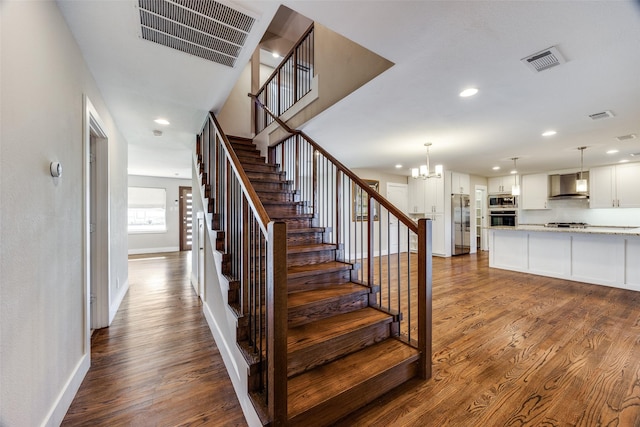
147 210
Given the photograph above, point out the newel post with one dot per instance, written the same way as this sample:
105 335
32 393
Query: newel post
277 322
425 323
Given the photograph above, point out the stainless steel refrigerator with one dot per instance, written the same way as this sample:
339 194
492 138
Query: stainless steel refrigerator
461 224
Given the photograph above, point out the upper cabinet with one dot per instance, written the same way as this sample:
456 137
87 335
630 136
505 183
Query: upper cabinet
434 195
615 186
426 195
416 195
535 191
460 183
502 184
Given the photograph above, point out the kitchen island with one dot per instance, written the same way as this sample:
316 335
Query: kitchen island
597 254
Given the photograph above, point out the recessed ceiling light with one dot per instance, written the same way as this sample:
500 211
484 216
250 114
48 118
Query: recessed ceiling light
162 121
468 92
549 133
398 166
612 151
624 161
496 168
275 55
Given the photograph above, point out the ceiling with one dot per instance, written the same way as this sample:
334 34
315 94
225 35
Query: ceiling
439 48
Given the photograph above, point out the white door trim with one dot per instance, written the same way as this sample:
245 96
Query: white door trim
93 125
402 245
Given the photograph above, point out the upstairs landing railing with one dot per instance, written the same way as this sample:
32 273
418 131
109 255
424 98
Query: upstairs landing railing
289 82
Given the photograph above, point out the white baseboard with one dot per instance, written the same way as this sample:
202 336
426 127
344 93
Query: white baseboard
239 381
113 308
63 402
195 284
154 250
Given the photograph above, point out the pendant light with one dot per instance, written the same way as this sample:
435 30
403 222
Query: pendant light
581 184
424 171
515 189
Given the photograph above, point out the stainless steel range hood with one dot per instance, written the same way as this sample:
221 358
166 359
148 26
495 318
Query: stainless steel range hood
564 186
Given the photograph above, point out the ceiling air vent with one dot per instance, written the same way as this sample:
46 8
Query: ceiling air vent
626 137
206 29
544 59
601 115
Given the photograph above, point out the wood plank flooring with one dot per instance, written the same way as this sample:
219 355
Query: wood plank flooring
509 349
514 349
157 364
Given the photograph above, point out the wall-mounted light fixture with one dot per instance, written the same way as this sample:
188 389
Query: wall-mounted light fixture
424 171
581 184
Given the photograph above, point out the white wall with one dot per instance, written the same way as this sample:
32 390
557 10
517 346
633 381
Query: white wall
168 241
43 355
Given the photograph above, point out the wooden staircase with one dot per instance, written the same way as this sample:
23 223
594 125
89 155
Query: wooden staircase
341 352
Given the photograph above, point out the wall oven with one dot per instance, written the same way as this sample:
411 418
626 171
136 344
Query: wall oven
503 218
503 201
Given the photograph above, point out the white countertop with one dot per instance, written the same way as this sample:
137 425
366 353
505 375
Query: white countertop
592 229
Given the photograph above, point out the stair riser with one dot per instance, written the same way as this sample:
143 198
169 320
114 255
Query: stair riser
308 258
305 238
271 176
345 403
264 185
288 214
317 281
295 222
276 197
243 147
322 310
327 351
259 167
249 156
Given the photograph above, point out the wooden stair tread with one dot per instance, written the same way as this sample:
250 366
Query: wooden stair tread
296 249
324 267
320 331
319 386
298 299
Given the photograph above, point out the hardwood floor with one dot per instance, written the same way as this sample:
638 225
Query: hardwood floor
157 364
517 349
509 349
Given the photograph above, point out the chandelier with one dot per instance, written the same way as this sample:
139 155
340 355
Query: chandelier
424 171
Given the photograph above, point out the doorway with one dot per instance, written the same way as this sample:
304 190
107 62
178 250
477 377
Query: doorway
96 258
481 233
398 195
186 219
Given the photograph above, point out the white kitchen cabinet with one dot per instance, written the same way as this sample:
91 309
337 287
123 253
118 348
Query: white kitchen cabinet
534 191
416 195
601 257
502 184
434 195
438 227
460 183
614 186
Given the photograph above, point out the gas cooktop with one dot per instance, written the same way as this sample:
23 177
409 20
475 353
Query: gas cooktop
566 224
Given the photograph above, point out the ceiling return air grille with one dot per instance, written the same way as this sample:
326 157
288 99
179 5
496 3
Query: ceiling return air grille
206 29
543 60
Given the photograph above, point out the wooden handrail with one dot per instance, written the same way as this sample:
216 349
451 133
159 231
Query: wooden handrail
365 187
247 188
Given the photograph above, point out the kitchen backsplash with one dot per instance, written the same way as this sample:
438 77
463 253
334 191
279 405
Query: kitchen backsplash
577 210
